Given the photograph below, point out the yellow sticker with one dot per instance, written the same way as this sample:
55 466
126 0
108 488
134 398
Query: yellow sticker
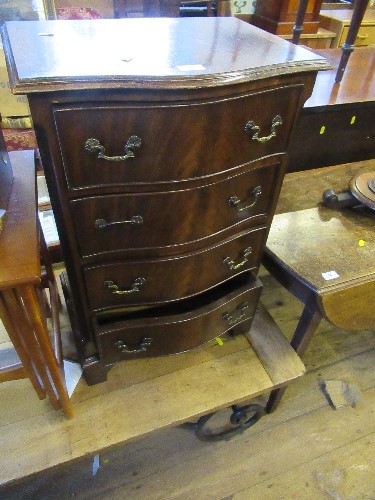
219 341
352 120
361 243
322 129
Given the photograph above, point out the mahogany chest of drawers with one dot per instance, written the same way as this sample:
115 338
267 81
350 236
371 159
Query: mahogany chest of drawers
163 143
279 16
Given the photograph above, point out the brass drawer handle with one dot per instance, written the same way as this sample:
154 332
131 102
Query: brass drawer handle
93 146
143 346
236 203
237 315
232 264
102 223
250 127
138 282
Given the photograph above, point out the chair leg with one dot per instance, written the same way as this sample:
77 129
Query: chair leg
10 321
298 27
30 300
307 325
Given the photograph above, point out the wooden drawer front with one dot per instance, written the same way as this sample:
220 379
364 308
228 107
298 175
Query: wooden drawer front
171 218
365 36
160 335
162 280
343 125
177 142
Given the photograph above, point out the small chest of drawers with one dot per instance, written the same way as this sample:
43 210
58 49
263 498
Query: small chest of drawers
339 21
163 143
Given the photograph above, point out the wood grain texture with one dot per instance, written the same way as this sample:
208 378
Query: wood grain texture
350 90
305 244
302 190
339 21
269 459
209 123
19 264
280 16
317 240
142 59
208 379
337 114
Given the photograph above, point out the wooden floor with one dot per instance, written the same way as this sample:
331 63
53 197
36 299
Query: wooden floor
305 450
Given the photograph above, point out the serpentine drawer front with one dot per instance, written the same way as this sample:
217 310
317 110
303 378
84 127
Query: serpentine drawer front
129 221
169 334
121 144
163 167
154 281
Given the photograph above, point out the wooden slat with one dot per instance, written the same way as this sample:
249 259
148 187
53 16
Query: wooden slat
276 355
10 365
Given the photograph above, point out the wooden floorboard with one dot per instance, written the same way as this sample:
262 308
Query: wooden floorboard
304 450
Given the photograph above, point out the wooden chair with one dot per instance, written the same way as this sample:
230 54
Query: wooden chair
24 290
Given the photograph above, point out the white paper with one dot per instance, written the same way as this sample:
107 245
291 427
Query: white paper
330 275
47 221
73 373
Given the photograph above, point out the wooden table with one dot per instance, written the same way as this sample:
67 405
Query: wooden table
145 395
336 124
324 257
20 281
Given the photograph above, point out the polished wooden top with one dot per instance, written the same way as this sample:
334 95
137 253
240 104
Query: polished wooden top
320 240
304 189
19 247
316 240
357 84
148 52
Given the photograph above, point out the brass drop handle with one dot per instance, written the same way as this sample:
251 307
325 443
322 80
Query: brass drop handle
251 128
237 315
93 146
134 287
102 223
142 347
245 205
232 264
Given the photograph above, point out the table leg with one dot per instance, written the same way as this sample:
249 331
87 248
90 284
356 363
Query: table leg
54 306
21 318
298 27
308 323
359 10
